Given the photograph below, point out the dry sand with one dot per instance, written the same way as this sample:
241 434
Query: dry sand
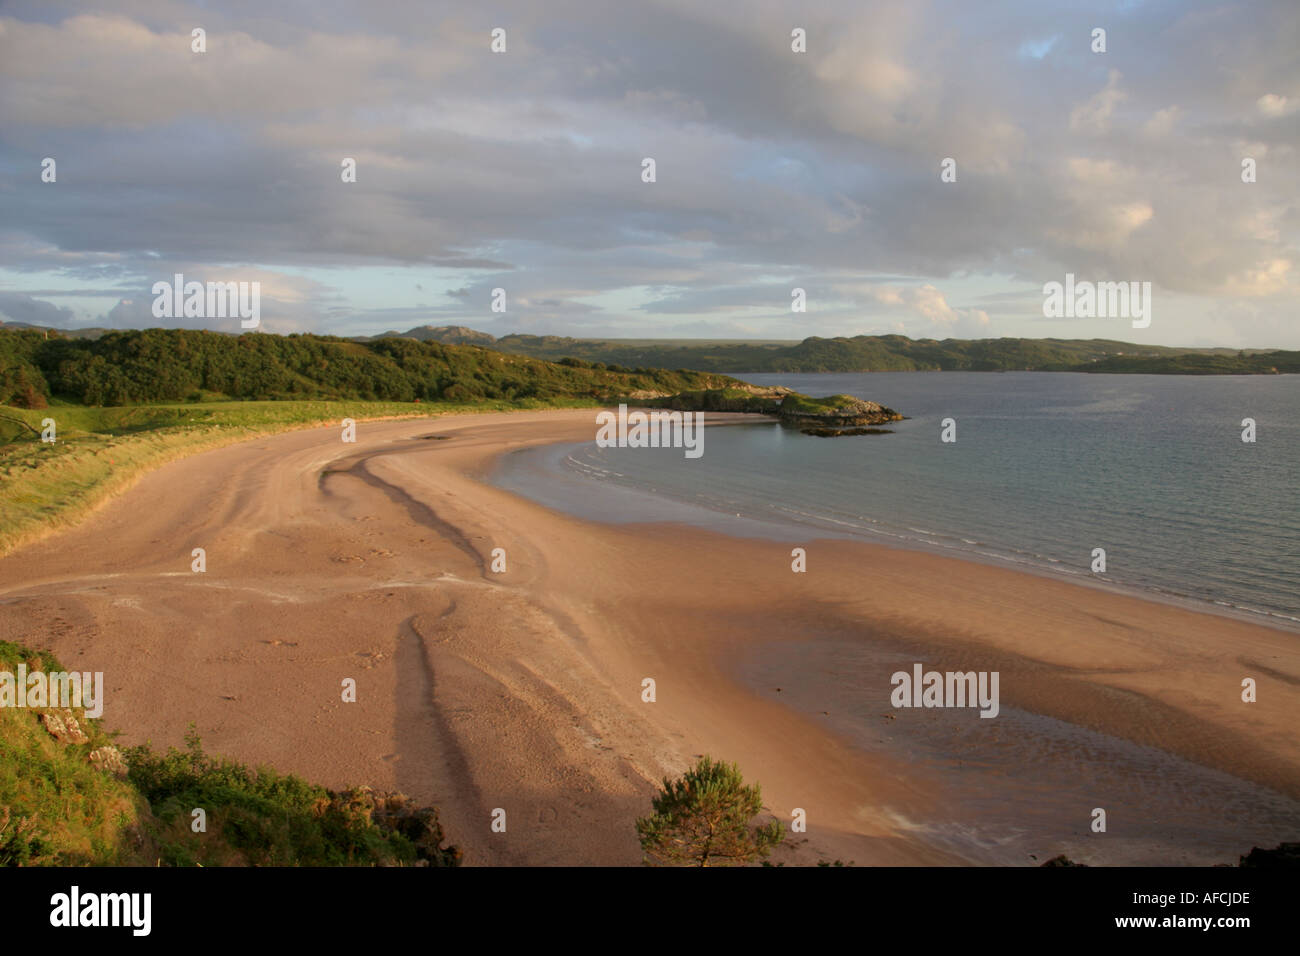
523 690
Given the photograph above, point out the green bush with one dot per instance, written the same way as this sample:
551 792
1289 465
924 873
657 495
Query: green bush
704 819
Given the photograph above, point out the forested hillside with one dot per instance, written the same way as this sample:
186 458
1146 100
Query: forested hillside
171 365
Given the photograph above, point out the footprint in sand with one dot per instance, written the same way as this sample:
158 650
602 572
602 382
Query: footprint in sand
371 658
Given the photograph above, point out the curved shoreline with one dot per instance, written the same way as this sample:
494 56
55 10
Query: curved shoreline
523 689
792 531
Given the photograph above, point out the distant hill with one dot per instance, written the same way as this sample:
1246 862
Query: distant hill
90 333
897 353
859 353
446 334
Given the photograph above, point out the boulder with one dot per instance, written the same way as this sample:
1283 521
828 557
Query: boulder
63 727
109 760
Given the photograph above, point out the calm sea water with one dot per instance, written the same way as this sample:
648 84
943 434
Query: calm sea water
1046 467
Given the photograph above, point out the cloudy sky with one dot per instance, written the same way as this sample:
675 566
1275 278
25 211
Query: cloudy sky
774 169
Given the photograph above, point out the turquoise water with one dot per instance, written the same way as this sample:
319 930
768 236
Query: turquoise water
1046 467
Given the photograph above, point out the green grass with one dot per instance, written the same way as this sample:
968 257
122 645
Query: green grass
263 818
718 400
58 809
55 807
796 404
100 452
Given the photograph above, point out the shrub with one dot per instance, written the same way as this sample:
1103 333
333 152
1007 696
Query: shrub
704 819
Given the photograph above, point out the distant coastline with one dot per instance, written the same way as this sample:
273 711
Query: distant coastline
859 353
878 353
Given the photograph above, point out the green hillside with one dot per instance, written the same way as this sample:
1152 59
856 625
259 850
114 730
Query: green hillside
175 365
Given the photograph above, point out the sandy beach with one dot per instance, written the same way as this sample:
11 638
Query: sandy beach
522 690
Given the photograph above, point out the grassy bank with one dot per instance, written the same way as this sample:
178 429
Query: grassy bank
126 402
69 797
100 452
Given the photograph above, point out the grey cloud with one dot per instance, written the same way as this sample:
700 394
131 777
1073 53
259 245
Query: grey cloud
17 307
524 169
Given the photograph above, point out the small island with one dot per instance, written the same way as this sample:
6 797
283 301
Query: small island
832 416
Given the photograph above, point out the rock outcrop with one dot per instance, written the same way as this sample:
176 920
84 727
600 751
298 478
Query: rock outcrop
837 415
825 417
837 432
63 727
109 760
396 813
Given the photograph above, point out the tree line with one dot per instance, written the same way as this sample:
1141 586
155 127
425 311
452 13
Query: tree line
178 365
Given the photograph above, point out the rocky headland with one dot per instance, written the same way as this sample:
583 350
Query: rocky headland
825 417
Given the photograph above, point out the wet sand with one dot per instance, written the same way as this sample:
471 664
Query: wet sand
522 690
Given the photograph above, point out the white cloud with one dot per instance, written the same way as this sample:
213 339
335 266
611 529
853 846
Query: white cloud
1095 114
1162 122
1271 104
